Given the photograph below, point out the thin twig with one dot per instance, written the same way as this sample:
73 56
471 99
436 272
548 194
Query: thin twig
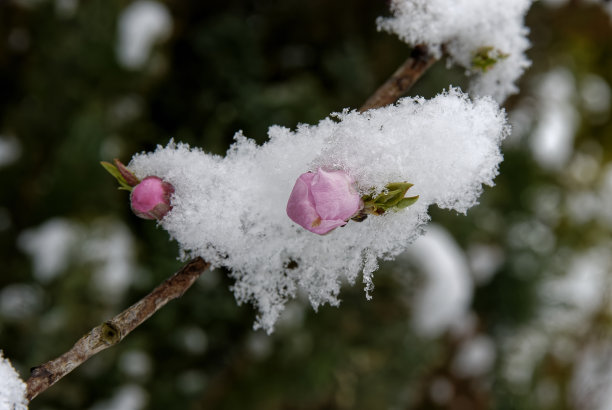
113 331
401 81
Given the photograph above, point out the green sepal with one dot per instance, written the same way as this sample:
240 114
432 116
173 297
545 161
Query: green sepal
392 198
111 169
486 57
406 202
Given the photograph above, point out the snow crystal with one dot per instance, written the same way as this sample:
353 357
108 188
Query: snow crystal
464 29
141 24
12 388
231 210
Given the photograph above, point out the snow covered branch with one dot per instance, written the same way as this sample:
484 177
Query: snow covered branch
486 37
113 331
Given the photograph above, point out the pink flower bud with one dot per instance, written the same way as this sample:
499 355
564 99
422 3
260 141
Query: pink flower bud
150 199
323 200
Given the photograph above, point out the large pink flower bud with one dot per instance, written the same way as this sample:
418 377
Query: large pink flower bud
323 200
150 199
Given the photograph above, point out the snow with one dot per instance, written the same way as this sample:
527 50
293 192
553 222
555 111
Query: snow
106 245
484 261
463 28
447 293
571 299
595 94
231 210
49 246
592 378
10 150
141 25
552 142
476 357
12 388
136 364
19 301
127 397
592 202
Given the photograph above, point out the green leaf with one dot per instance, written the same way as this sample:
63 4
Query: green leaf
392 198
406 202
486 57
111 169
399 185
389 198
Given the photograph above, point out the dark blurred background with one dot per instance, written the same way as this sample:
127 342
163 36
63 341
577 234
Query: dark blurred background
523 302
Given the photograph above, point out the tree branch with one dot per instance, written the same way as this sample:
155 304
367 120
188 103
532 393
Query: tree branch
401 81
113 331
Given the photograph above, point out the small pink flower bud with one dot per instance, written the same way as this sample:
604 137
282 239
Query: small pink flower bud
323 201
150 199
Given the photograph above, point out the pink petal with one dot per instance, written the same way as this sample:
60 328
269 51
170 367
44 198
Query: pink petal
326 226
334 195
150 199
300 206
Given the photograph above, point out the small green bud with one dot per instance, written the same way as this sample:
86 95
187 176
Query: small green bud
393 197
126 178
486 57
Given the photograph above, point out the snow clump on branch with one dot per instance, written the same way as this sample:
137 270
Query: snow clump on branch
487 37
12 388
231 210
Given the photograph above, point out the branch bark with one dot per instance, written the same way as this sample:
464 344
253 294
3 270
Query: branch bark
401 81
113 331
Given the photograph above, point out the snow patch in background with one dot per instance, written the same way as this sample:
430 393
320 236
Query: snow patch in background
141 25
595 94
447 291
106 244
552 141
10 150
591 382
127 397
49 246
476 357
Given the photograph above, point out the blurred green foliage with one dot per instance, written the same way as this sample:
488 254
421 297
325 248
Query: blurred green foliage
246 65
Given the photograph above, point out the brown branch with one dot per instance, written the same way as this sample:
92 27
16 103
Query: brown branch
401 81
113 331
